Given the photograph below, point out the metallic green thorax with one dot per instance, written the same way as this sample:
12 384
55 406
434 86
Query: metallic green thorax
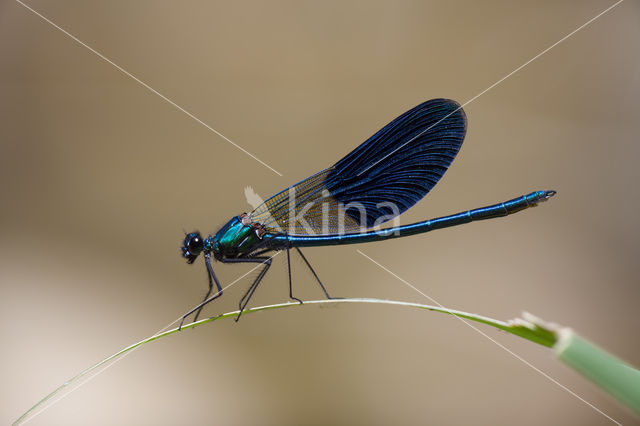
235 239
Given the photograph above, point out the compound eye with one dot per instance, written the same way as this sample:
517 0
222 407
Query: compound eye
195 244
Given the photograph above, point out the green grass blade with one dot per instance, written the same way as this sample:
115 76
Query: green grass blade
613 375
519 328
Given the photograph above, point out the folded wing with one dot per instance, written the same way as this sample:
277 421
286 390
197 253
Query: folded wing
380 179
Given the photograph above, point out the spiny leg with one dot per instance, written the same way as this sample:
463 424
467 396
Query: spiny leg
206 296
314 274
290 285
247 296
212 279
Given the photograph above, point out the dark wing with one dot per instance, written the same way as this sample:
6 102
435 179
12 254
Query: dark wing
380 179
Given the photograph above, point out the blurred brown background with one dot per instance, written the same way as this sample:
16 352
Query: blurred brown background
100 177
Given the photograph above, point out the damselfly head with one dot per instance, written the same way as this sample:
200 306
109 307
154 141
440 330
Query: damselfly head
192 246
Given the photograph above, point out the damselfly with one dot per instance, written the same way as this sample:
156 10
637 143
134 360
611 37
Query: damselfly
344 204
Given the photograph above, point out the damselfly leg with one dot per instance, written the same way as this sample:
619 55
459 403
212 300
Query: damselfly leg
212 279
